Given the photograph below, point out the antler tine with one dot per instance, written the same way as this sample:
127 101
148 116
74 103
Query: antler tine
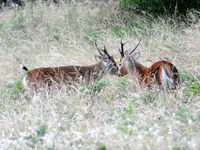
120 52
135 47
99 50
122 48
105 51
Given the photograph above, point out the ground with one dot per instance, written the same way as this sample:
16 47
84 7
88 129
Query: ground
113 113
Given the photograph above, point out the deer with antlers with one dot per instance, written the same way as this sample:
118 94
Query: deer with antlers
162 73
40 78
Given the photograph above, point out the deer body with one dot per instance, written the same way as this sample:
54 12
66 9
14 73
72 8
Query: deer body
40 78
162 73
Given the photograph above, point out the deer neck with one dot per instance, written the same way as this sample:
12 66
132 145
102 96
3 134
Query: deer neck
135 69
96 72
100 69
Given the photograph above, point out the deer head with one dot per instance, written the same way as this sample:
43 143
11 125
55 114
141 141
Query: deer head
107 61
127 59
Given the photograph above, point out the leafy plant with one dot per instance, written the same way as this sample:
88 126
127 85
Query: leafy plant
157 7
90 35
128 111
127 116
192 83
118 30
72 18
16 87
124 128
196 117
192 88
36 138
102 14
19 20
185 76
101 147
123 82
3 24
148 98
182 113
94 88
41 131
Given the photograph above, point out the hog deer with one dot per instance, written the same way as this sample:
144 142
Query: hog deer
162 73
39 78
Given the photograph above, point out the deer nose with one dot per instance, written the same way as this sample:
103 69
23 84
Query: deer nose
119 73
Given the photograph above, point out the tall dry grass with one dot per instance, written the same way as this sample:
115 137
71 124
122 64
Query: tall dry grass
113 113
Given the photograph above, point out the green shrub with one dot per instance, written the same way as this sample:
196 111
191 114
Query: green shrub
90 35
157 7
127 118
123 82
196 117
118 30
101 147
94 88
19 20
185 76
124 128
128 111
3 24
182 113
72 18
102 14
148 98
192 89
15 88
36 138
41 131
192 83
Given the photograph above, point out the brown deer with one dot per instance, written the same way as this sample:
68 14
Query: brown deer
40 78
162 73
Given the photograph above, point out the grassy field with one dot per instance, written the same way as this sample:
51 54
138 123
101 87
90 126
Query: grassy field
113 113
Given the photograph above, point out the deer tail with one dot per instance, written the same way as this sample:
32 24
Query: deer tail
24 68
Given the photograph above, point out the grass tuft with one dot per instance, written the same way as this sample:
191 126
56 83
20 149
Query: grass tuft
41 131
36 138
192 82
101 147
148 98
15 88
182 113
94 88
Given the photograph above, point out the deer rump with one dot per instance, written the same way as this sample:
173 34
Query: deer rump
163 73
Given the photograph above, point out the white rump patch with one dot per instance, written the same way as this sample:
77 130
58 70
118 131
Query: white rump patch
21 66
25 83
167 82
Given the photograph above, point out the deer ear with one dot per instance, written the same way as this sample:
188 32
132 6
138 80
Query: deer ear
136 55
98 58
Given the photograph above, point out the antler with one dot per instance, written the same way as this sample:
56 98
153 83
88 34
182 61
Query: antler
135 47
105 51
100 50
122 48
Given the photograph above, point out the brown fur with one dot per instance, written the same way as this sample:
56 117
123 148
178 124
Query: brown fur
42 78
149 76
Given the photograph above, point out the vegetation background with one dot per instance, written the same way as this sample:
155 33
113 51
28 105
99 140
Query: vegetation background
113 113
